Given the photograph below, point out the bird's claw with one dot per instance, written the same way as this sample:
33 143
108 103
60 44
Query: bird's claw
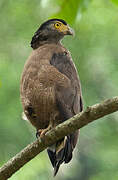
41 132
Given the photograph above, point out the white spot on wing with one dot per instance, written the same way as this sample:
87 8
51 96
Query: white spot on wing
24 116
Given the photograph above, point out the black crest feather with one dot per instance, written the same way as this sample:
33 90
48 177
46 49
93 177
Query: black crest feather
51 21
37 36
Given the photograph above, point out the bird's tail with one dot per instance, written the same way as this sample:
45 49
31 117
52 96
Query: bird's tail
62 151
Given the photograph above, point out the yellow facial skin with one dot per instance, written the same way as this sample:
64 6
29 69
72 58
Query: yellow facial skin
65 29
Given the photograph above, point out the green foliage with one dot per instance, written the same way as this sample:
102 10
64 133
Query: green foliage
64 11
115 1
69 10
94 50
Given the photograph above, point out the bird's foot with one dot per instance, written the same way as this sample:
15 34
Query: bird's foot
41 132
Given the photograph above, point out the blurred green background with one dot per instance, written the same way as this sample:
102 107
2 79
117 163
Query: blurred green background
95 52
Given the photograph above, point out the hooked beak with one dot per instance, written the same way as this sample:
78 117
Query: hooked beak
70 31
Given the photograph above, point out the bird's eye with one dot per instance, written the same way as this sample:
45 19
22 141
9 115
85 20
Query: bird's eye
57 25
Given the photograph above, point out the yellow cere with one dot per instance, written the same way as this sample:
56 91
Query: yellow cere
60 26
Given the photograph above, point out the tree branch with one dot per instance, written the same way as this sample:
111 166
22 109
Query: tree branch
78 121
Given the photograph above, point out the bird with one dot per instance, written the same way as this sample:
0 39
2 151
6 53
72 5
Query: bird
50 88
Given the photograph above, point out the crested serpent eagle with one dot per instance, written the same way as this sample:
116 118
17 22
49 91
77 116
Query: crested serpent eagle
50 87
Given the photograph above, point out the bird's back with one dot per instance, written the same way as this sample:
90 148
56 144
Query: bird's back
38 82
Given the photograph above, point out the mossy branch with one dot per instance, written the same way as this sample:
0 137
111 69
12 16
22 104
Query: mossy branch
78 121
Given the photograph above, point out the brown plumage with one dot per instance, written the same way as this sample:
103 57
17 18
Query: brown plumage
50 87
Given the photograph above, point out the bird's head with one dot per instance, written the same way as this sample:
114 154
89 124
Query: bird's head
52 30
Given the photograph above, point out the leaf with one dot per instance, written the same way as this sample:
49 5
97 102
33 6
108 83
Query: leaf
69 9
